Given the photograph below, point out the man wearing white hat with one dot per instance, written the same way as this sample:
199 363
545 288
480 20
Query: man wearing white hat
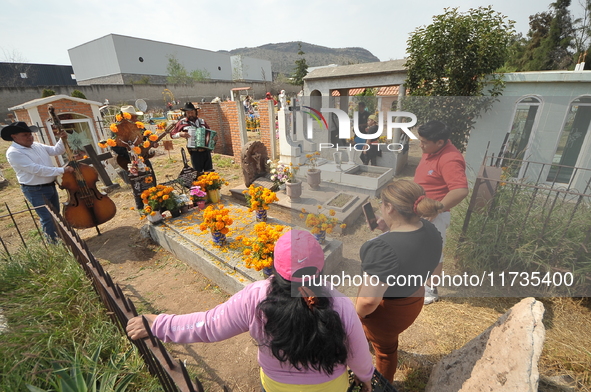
34 170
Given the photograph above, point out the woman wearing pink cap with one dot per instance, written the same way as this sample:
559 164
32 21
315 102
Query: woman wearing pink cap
402 258
305 340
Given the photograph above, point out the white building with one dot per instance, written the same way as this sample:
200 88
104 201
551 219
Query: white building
118 59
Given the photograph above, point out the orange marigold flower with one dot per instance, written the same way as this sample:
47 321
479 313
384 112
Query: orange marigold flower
113 128
127 116
139 124
147 132
146 144
118 117
137 150
153 137
102 144
111 143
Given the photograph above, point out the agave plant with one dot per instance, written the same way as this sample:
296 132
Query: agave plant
86 374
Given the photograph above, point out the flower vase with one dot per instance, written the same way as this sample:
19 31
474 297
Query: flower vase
175 212
320 237
156 218
219 238
261 215
214 195
293 190
313 177
200 204
267 272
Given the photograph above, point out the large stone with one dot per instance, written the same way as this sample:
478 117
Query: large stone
254 161
503 358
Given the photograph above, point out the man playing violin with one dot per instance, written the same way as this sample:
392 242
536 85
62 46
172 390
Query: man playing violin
35 172
200 157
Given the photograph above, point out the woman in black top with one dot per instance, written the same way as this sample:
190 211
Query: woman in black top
399 261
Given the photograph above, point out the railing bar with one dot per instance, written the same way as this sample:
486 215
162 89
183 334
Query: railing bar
16 226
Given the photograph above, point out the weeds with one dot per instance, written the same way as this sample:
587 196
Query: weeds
53 314
527 229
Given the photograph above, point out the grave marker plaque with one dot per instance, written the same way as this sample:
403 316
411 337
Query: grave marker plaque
141 183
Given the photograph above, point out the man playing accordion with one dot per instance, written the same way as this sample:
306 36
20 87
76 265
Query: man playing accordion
199 150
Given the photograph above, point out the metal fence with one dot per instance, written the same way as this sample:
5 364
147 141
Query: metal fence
534 206
173 375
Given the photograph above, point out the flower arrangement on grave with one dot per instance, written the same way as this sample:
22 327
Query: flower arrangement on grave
158 198
320 223
210 181
258 249
217 220
259 197
197 194
313 160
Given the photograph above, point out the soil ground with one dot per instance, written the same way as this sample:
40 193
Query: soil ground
157 282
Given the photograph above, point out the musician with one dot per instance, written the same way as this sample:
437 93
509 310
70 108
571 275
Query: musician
124 152
200 157
34 170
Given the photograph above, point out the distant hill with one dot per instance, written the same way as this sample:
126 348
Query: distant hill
283 55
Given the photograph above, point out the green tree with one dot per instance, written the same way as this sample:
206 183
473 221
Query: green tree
456 56
200 75
553 52
47 92
301 69
539 28
78 94
177 73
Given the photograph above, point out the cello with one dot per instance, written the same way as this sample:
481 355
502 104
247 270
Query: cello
86 206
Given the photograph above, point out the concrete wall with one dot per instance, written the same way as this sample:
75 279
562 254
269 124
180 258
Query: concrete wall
117 54
556 91
127 94
95 59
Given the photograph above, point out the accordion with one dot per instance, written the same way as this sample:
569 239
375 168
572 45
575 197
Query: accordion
200 137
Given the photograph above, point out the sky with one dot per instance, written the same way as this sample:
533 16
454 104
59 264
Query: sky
42 32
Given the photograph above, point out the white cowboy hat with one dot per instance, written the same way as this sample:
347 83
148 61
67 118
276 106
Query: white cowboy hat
131 110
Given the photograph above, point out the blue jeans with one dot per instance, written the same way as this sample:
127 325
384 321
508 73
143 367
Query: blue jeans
35 195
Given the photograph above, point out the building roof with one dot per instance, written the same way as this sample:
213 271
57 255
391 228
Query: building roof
382 67
548 77
42 101
386 91
26 74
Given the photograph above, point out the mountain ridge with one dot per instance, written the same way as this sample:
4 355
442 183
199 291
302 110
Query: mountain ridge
283 55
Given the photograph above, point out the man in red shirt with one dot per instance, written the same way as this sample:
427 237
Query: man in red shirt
442 173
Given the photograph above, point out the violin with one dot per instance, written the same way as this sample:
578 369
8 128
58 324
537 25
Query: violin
86 206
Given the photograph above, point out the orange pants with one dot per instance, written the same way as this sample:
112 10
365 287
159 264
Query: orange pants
383 326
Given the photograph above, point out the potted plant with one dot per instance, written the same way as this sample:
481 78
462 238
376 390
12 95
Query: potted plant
184 202
279 174
198 196
158 199
258 199
320 224
217 221
258 249
313 173
293 187
211 182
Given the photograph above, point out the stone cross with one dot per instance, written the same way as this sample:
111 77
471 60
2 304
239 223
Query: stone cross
97 161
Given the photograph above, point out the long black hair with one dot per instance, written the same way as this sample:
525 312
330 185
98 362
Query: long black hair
309 339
